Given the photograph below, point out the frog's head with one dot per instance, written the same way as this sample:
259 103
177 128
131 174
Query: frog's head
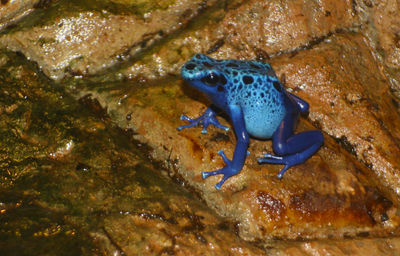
203 73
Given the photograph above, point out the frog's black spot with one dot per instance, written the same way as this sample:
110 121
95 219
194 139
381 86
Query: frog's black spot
197 56
190 66
234 73
232 65
273 100
240 86
208 65
220 88
262 95
277 86
222 79
254 66
247 79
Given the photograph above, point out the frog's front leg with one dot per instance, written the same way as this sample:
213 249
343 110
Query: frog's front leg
292 149
207 118
239 156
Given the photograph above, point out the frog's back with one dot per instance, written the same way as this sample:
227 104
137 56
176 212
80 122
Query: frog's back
254 86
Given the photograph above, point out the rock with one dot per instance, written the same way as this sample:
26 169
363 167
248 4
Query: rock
88 42
340 57
342 81
381 26
336 197
73 183
12 11
249 30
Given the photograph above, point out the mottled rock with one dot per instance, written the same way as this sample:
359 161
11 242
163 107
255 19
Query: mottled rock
340 57
87 42
279 26
350 100
361 247
73 183
336 197
12 11
381 25
249 30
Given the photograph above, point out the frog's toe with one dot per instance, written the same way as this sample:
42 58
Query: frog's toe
226 160
220 126
205 175
186 118
211 119
180 128
192 122
280 174
271 159
226 171
219 184
288 161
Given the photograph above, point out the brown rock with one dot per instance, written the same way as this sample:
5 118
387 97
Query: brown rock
12 11
248 30
88 43
330 196
381 25
350 100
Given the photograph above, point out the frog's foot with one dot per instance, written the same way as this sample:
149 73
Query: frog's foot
207 118
288 161
227 171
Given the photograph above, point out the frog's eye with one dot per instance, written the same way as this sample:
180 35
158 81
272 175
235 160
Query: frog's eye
211 79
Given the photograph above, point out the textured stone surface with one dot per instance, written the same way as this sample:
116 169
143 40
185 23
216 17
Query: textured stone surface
87 42
71 183
12 11
389 246
341 57
336 197
381 25
252 29
345 85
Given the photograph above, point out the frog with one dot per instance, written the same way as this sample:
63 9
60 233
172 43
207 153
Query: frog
258 106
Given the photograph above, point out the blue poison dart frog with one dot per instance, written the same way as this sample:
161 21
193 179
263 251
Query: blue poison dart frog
257 104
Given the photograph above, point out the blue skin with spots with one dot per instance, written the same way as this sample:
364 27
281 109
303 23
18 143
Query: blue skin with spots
258 106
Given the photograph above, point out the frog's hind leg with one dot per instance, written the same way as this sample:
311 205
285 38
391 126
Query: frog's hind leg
292 149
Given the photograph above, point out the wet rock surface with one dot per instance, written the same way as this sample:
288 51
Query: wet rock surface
86 40
12 11
72 183
120 61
